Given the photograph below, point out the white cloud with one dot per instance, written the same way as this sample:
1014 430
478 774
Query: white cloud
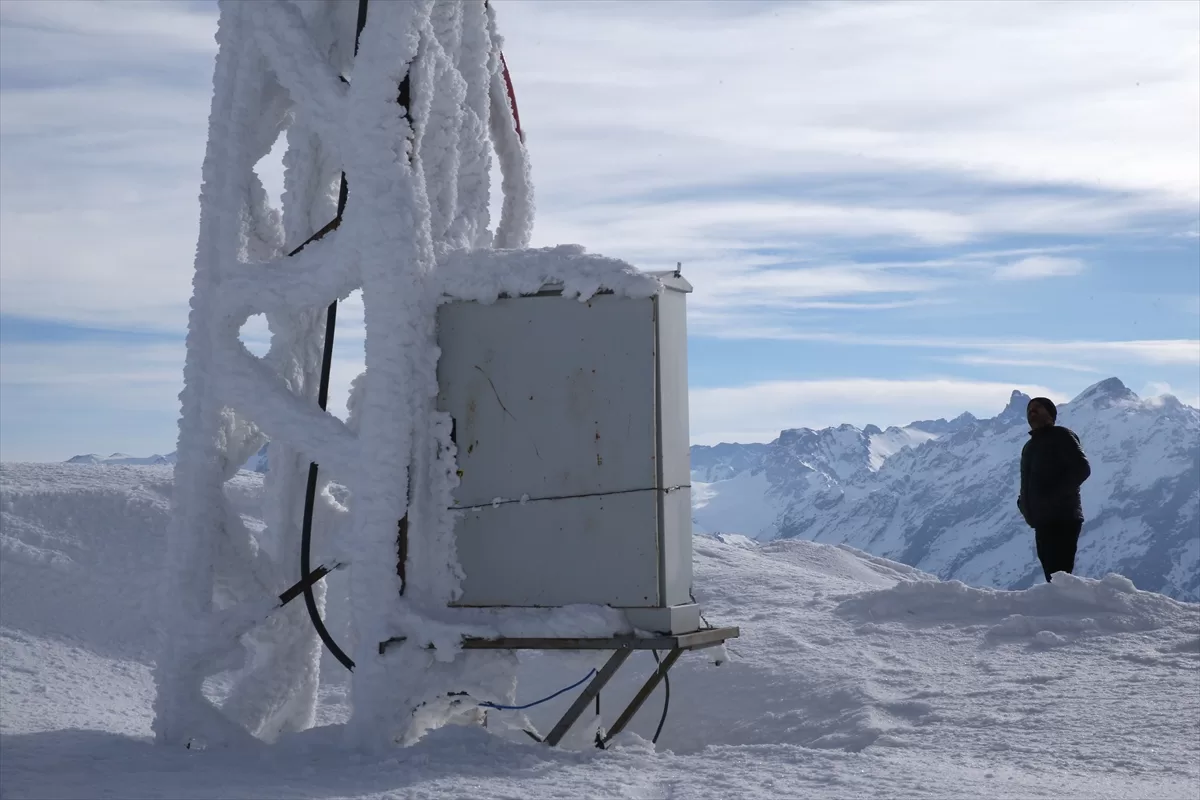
131 375
122 264
1156 390
858 87
1035 267
171 27
1172 352
781 286
994 361
835 305
59 399
758 412
1183 352
860 98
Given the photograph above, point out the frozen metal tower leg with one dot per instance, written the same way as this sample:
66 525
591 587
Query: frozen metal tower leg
418 179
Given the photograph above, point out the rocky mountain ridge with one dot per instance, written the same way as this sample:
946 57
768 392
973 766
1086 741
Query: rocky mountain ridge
943 499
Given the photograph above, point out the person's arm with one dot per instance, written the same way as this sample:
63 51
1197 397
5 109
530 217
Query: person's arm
1024 483
1077 468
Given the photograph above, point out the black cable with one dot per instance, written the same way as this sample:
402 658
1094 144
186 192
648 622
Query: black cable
666 699
310 494
362 23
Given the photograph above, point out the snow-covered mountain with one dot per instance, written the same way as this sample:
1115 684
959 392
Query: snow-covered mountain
941 495
122 458
256 463
746 488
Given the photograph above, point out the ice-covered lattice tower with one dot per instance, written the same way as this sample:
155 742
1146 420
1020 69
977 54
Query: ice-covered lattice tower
392 114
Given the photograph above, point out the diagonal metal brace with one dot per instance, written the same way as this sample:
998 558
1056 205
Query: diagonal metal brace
296 589
647 689
602 677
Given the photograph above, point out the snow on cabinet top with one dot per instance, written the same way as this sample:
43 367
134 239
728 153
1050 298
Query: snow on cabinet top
486 275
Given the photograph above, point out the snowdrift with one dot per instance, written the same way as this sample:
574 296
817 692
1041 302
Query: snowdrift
854 676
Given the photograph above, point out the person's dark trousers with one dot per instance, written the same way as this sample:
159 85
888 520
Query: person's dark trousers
1056 543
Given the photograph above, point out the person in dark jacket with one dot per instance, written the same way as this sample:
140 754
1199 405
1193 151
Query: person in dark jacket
1053 467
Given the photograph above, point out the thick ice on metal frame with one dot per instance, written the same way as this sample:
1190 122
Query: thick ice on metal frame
415 232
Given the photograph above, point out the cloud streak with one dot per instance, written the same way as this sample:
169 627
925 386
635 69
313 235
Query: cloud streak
1031 363
1173 352
1036 267
819 88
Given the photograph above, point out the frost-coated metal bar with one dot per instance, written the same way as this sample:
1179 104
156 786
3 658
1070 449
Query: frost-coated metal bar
647 689
708 637
602 677
299 586
310 488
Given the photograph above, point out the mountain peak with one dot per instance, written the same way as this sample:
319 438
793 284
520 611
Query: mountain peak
788 437
941 426
1018 401
1105 392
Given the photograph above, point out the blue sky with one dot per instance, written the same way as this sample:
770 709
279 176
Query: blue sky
890 211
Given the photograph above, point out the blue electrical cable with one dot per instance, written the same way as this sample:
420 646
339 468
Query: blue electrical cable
539 702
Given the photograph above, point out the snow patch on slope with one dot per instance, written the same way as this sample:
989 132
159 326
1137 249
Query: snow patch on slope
743 504
886 444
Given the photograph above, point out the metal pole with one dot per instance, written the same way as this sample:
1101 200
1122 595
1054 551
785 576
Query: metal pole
602 677
310 492
650 685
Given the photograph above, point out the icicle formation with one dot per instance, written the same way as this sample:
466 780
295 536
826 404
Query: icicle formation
415 230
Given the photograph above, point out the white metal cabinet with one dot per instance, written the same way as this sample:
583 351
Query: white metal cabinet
571 424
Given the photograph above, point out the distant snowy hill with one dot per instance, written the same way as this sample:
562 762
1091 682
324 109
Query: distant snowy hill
122 458
745 488
940 495
256 463
853 677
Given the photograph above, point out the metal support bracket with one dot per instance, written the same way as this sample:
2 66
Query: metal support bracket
589 693
622 647
643 694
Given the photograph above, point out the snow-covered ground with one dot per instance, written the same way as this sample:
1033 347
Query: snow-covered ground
854 676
